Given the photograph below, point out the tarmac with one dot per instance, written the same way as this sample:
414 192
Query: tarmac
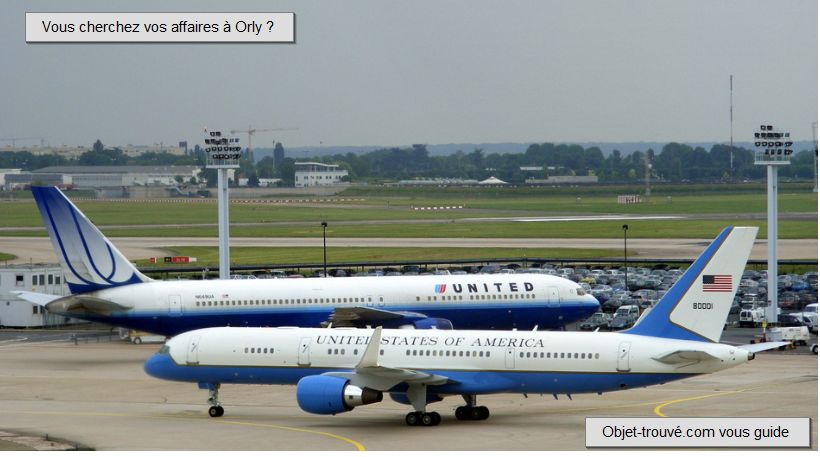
96 396
39 249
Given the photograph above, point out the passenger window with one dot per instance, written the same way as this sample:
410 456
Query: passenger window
253 351
265 351
329 351
246 350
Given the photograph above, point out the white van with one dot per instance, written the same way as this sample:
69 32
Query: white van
753 317
628 310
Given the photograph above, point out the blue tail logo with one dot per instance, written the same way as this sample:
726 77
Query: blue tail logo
88 259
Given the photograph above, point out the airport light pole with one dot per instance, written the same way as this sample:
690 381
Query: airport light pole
222 153
324 246
626 282
773 148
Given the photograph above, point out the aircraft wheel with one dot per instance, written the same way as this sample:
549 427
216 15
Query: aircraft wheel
476 413
427 419
412 418
216 411
484 413
436 418
462 413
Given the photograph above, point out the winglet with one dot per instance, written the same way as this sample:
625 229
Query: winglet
370 358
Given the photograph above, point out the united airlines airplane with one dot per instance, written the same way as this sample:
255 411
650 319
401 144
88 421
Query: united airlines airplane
336 370
107 288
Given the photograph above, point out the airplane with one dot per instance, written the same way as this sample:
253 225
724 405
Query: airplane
336 370
105 287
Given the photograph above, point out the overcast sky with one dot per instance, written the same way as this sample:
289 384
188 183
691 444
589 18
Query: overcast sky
401 72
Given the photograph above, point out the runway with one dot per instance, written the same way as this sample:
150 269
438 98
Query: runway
96 395
39 250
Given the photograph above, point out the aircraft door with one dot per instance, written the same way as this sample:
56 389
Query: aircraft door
174 305
623 356
509 358
304 352
193 351
554 298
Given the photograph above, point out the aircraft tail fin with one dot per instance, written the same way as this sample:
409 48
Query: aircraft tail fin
696 306
89 261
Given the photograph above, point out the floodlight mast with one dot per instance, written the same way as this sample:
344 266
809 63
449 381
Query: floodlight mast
773 148
222 153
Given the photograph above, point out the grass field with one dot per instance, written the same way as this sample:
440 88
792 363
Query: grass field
5 257
207 255
23 213
790 229
392 204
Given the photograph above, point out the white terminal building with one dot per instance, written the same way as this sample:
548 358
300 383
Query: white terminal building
42 278
312 174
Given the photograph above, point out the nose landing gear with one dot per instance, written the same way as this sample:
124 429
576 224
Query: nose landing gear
216 409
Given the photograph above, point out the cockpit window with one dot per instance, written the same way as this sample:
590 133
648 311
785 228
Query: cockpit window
580 291
165 349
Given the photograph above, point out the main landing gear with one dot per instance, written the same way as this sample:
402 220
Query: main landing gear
216 409
471 412
426 419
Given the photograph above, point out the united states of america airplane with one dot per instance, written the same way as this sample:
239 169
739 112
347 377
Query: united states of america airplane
107 288
336 370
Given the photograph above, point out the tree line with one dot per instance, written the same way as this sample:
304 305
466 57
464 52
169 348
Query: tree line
675 162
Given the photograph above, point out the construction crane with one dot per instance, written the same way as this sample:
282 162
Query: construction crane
14 140
252 131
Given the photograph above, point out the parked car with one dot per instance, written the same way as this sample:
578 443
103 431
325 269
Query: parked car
622 322
596 321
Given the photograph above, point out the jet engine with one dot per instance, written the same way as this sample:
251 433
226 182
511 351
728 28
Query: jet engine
331 395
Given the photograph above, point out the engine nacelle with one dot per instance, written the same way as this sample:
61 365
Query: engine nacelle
433 322
331 395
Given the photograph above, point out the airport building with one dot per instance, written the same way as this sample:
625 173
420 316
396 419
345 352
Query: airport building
311 174
101 177
41 278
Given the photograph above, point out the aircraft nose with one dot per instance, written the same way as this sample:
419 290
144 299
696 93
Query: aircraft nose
159 366
591 302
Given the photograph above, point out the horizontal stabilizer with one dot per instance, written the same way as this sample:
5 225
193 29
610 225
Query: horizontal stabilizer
36 297
84 304
760 347
690 356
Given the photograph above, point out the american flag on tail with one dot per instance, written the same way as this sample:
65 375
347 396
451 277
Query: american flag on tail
717 283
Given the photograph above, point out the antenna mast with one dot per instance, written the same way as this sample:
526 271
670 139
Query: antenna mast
731 130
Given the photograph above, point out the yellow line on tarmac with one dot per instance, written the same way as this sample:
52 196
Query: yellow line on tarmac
356 444
658 408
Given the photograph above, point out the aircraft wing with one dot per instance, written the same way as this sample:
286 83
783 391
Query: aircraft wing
360 316
684 356
369 373
36 297
84 304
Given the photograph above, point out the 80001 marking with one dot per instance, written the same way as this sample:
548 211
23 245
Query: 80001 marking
702 306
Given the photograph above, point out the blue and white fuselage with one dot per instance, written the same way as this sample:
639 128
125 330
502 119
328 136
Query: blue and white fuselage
107 288
336 370
467 301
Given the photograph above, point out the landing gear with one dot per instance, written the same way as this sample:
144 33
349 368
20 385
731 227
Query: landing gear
471 412
426 419
216 409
